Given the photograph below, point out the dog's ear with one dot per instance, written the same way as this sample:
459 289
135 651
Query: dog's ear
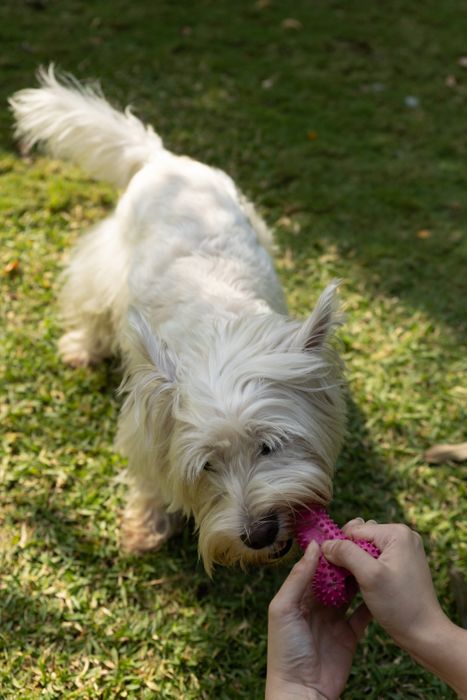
145 420
149 348
320 324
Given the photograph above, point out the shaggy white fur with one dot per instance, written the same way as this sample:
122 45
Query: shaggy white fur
233 412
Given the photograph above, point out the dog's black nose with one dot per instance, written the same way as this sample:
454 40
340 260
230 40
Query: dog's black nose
261 533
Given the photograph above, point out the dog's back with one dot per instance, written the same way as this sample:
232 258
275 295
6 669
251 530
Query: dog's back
75 122
182 238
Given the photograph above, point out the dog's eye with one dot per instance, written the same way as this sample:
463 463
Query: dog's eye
207 467
265 449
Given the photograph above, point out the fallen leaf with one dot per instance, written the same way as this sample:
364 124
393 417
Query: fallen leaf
291 23
439 454
312 135
423 234
12 268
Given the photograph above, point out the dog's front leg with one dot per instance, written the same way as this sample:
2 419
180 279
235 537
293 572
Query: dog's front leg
146 525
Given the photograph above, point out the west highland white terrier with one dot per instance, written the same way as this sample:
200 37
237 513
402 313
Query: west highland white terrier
233 411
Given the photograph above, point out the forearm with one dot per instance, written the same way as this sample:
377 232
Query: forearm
277 689
443 651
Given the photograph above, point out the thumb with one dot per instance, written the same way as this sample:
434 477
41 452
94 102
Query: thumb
349 555
296 585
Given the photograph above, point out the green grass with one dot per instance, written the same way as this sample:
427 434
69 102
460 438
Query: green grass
311 119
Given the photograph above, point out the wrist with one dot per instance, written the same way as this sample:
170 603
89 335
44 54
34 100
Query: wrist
425 641
443 650
422 636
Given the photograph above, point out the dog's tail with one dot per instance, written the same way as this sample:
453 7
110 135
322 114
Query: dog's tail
75 122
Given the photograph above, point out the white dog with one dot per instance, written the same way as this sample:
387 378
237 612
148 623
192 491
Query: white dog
233 411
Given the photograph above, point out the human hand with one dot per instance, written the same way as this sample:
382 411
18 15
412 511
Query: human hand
310 647
397 587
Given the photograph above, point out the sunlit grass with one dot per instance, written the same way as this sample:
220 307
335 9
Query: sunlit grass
312 119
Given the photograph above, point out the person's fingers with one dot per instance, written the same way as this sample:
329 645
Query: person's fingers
353 522
379 534
295 585
312 553
349 555
362 530
359 621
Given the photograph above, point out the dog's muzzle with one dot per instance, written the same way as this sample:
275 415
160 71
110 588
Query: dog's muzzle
261 533
264 533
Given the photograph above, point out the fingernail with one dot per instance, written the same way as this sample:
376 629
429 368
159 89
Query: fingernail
312 550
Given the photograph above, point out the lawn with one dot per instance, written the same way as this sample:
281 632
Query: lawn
346 123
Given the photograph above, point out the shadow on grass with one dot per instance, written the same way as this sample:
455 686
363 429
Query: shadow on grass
424 274
375 175
363 486
229 610
73 540
369 201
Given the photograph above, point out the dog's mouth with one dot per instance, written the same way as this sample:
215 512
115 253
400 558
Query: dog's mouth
281 549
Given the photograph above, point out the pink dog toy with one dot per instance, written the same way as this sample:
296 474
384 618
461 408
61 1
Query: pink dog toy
332 585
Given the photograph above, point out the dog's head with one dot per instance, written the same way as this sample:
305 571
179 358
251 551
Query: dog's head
241 429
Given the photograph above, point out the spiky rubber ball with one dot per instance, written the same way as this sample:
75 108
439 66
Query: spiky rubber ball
332 585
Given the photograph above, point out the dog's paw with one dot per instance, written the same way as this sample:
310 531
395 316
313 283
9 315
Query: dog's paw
146 528
73 351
